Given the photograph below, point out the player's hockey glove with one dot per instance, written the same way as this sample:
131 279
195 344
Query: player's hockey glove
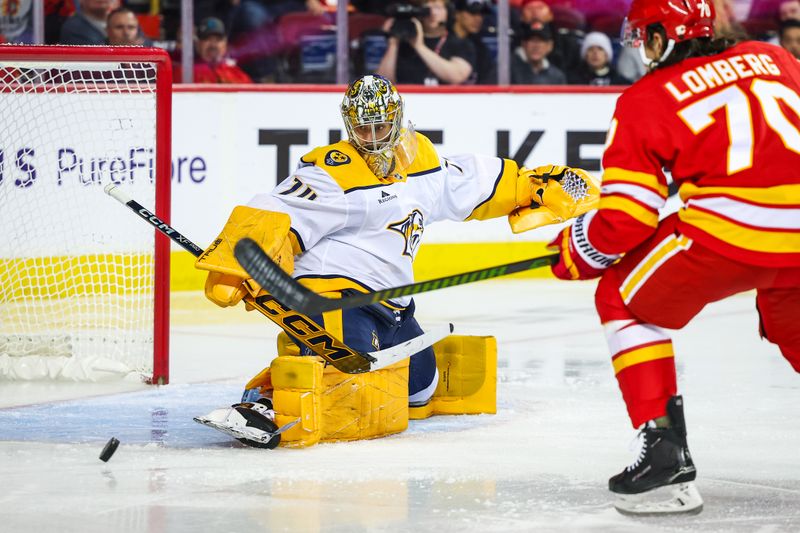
551 194
227 282
578 258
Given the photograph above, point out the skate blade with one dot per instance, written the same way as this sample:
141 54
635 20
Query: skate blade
671 499
286 426
237 434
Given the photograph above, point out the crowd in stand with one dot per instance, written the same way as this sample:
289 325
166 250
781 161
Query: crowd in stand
432 42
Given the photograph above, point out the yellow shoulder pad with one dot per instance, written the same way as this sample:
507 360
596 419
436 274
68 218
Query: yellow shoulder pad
427 157
343 163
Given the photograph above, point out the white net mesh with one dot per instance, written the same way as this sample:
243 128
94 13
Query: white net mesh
575 186
76 270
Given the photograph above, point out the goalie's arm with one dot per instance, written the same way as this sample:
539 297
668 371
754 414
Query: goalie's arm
496 187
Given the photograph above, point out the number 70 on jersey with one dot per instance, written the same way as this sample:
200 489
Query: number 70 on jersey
739 115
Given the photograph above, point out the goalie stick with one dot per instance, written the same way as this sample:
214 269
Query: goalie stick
274 280
314 337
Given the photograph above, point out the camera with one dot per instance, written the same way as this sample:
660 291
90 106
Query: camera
403 27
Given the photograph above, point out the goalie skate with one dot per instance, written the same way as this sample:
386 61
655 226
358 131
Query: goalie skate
249 423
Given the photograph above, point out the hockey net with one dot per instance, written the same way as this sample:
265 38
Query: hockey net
84 287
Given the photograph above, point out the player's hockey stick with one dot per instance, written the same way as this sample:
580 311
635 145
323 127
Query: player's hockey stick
273 279
314 337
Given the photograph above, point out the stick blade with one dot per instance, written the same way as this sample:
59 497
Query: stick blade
401 351
272 277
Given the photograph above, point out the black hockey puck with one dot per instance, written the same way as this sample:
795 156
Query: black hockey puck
109 449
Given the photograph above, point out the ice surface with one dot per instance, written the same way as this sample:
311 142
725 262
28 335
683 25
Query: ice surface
540 464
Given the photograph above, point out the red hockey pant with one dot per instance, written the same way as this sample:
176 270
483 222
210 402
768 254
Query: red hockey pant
664 283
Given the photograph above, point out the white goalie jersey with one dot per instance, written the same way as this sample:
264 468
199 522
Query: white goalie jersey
356 231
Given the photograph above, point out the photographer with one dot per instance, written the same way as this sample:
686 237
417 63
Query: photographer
468 23
420 50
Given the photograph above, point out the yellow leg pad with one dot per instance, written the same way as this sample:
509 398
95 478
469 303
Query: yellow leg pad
467 377
333 406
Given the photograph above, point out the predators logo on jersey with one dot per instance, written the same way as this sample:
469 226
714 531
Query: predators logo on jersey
334 158
411 228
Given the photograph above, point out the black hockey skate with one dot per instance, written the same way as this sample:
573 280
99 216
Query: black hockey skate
251 423
660 480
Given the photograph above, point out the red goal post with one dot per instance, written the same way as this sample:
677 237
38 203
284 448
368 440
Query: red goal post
84 287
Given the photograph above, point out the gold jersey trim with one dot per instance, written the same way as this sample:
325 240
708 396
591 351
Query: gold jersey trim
342 162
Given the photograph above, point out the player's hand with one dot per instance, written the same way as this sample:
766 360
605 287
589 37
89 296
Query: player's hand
419 39
578 259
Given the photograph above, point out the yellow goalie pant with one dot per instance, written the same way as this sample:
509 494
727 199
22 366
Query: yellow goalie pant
333 406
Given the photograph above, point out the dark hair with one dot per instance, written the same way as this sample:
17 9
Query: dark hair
700 47
787 24
118 11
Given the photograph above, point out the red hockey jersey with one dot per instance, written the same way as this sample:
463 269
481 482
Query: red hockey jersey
728 128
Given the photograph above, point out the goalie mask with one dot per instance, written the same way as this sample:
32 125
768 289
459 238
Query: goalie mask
373 115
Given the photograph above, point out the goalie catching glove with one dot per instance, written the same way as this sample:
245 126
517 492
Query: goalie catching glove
227 282
551 194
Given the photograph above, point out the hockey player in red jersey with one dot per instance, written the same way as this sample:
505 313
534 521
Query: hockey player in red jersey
724 119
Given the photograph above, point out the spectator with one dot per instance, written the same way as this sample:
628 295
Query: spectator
790 36
535 11
467 24
16 21
55 13
246 16
566 42
562 14
630 64
122 28
790 9
595 67
423 52
88 26
212 64
264 49
530 64
377 7
787 10
139 6
726 26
